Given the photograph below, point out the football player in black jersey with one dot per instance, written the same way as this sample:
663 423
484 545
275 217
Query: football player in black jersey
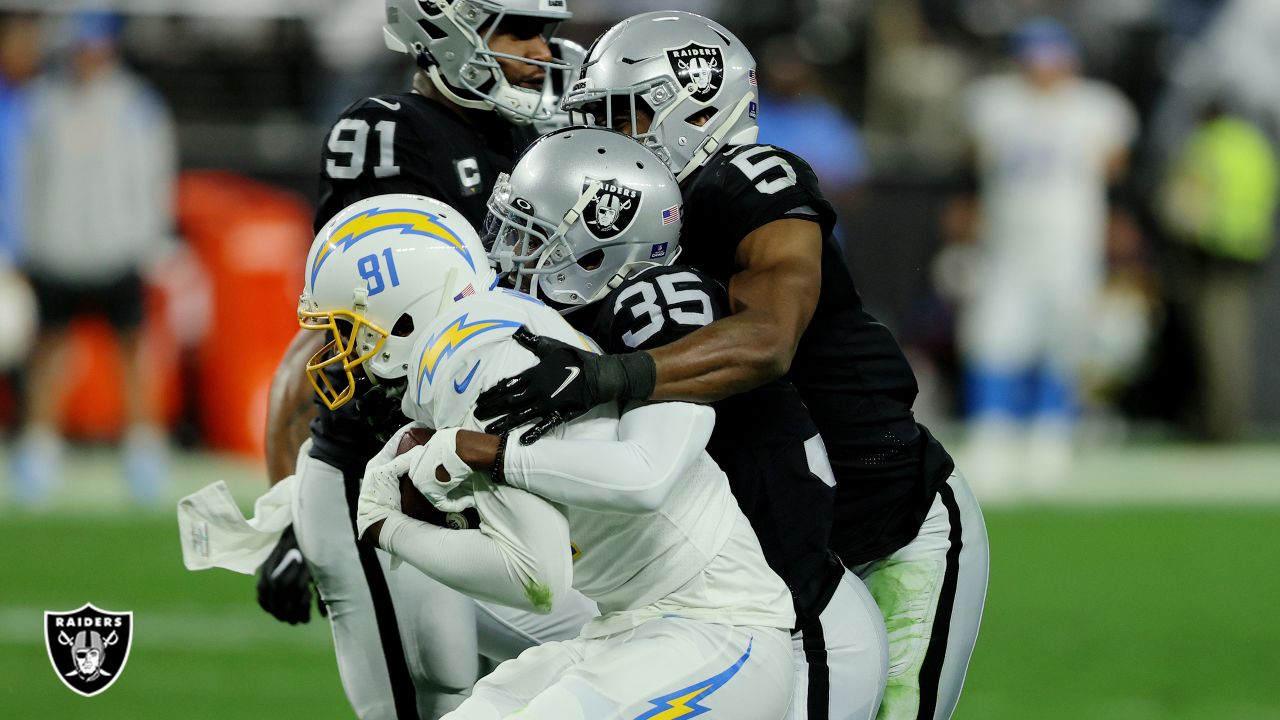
589 217
483 69
756 221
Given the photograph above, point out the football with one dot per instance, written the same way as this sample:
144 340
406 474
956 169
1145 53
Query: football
416 505
413 503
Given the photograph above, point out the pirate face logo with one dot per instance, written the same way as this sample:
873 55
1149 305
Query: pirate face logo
88 647
611 211
700 67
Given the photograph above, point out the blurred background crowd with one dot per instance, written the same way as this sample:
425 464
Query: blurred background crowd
1065 211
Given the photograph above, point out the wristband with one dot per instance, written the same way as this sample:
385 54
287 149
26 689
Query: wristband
642 376
627 377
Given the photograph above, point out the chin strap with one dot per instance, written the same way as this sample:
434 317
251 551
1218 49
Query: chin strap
445 89
575 212
716 139
446 297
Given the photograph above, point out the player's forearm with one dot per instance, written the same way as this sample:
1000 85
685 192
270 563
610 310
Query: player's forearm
730 356
519 557
290 408
633 474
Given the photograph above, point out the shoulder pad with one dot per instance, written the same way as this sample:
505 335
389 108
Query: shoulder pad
658 306
446 376
390 105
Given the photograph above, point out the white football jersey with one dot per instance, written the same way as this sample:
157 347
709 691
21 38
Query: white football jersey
694 556
1043 158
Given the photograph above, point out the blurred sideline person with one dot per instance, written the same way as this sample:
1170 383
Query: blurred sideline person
1219 200
405 644
19 63
1047 143
803 121
623 292
756 221
101 167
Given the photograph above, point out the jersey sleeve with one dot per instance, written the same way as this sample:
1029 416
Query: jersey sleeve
633 473
371 150
658 307
1119 119
519 556
750 186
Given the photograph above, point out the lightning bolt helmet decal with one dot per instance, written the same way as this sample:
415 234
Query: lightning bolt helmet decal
375 220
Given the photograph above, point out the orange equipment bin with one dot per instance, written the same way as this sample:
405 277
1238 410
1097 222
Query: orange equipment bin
252 240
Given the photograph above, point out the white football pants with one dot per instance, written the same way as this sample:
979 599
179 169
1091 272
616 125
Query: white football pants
666 668
407 646
931 594
841 657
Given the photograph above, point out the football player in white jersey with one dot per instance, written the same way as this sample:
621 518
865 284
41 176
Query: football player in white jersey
1047 143
627 508
378 270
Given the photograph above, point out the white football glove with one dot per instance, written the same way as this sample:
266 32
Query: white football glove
441 451
380 497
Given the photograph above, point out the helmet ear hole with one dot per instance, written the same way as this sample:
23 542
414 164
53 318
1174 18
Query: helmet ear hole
403 326
433 32
702 117
591 260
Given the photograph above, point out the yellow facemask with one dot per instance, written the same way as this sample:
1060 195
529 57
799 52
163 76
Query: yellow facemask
345 329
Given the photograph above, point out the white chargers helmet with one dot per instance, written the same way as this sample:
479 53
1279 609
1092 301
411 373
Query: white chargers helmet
690 74
379 270
581 209
450 40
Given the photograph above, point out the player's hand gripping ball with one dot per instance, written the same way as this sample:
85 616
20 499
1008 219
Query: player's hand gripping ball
416 505
438 472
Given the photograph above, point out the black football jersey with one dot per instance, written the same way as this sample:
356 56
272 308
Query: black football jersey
403 143
759 438
848 368
408 143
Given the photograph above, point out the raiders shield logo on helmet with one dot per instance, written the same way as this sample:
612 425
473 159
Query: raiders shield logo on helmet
88 647
611 211
700 67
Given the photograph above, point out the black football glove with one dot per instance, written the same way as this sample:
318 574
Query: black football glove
284 583
566 382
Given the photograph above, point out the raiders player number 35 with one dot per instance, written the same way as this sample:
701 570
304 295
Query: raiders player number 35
756 221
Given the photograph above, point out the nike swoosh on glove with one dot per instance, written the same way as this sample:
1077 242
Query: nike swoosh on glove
567 382
441 452
284 582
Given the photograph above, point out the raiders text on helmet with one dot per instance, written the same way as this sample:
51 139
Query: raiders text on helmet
377 271
689 74
612 209
581 209
450 40
700 67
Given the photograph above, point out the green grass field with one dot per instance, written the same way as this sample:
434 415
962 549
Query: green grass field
1126 612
